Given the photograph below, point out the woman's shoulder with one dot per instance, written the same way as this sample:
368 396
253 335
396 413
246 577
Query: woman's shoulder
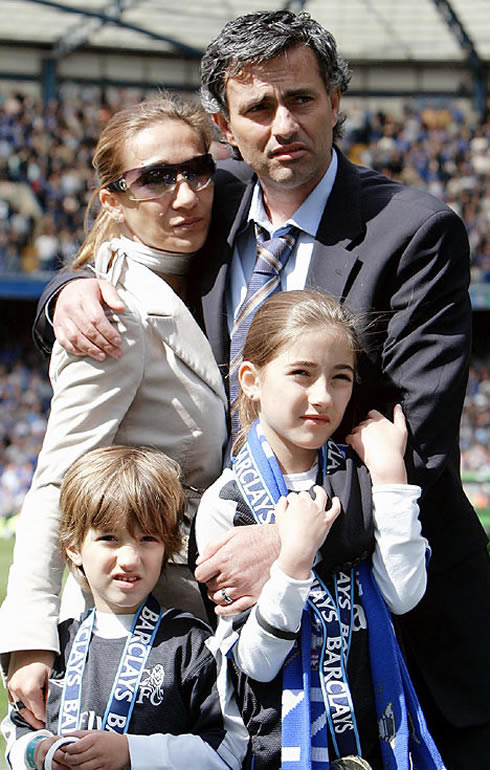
141 288
130 324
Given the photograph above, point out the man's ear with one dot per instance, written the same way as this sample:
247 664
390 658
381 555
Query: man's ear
225 129
74 555
248 378
335 104
112 205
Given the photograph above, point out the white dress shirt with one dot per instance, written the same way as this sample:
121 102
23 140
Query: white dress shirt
306 219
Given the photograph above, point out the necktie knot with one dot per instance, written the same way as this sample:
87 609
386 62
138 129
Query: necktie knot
273 253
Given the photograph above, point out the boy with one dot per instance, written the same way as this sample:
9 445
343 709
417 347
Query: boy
136 684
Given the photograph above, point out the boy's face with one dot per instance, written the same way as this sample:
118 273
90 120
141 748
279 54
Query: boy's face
121 569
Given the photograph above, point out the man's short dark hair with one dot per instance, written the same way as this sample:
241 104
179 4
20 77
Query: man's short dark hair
259 37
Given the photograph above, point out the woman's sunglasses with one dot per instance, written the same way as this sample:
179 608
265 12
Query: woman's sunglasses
149 182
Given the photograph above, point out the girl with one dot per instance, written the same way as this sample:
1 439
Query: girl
155 191
322 690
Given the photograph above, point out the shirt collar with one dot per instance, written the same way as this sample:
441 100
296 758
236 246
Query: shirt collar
111 626
307 217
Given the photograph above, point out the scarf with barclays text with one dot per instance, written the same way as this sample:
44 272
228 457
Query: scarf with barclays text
317 698
126 683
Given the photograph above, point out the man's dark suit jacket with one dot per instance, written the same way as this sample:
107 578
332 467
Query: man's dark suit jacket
400 257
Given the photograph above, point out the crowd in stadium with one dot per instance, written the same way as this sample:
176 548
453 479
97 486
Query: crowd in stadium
475 425
25 394
441 151
45 172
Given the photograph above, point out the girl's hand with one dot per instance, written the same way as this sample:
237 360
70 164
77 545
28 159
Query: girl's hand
97 750
303 525
27 680
381 446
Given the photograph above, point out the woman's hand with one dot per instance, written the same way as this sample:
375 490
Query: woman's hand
97 750
27 681
381 446
80 323
303 525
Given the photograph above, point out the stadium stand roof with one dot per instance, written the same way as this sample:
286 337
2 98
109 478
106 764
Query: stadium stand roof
427 30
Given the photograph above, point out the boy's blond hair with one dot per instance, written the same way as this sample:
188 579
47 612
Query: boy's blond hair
122 486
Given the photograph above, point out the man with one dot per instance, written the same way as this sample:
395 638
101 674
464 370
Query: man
273 81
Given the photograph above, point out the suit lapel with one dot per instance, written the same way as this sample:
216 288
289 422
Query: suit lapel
214 299
334 262
332 269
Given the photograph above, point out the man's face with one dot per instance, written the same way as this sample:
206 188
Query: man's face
281 118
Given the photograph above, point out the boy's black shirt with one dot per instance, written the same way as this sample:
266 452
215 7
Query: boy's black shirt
177 692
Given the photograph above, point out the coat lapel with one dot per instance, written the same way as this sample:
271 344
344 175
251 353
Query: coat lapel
332 269
176 327
334 262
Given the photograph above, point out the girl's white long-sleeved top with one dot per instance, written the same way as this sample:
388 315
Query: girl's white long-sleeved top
399 568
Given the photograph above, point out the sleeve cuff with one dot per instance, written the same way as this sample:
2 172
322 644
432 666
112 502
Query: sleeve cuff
408 490
282 601
17 754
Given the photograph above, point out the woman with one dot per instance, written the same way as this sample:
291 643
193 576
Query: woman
156 191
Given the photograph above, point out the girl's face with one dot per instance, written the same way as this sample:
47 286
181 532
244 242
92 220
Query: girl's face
179 220
302 394
121 568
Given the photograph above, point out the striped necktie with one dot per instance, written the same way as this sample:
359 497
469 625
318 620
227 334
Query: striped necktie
272 255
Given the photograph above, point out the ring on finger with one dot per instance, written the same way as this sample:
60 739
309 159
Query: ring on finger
227 599
17 705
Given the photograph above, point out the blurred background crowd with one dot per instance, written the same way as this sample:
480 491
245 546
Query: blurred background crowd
46 179
46 175
25 394
440 150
